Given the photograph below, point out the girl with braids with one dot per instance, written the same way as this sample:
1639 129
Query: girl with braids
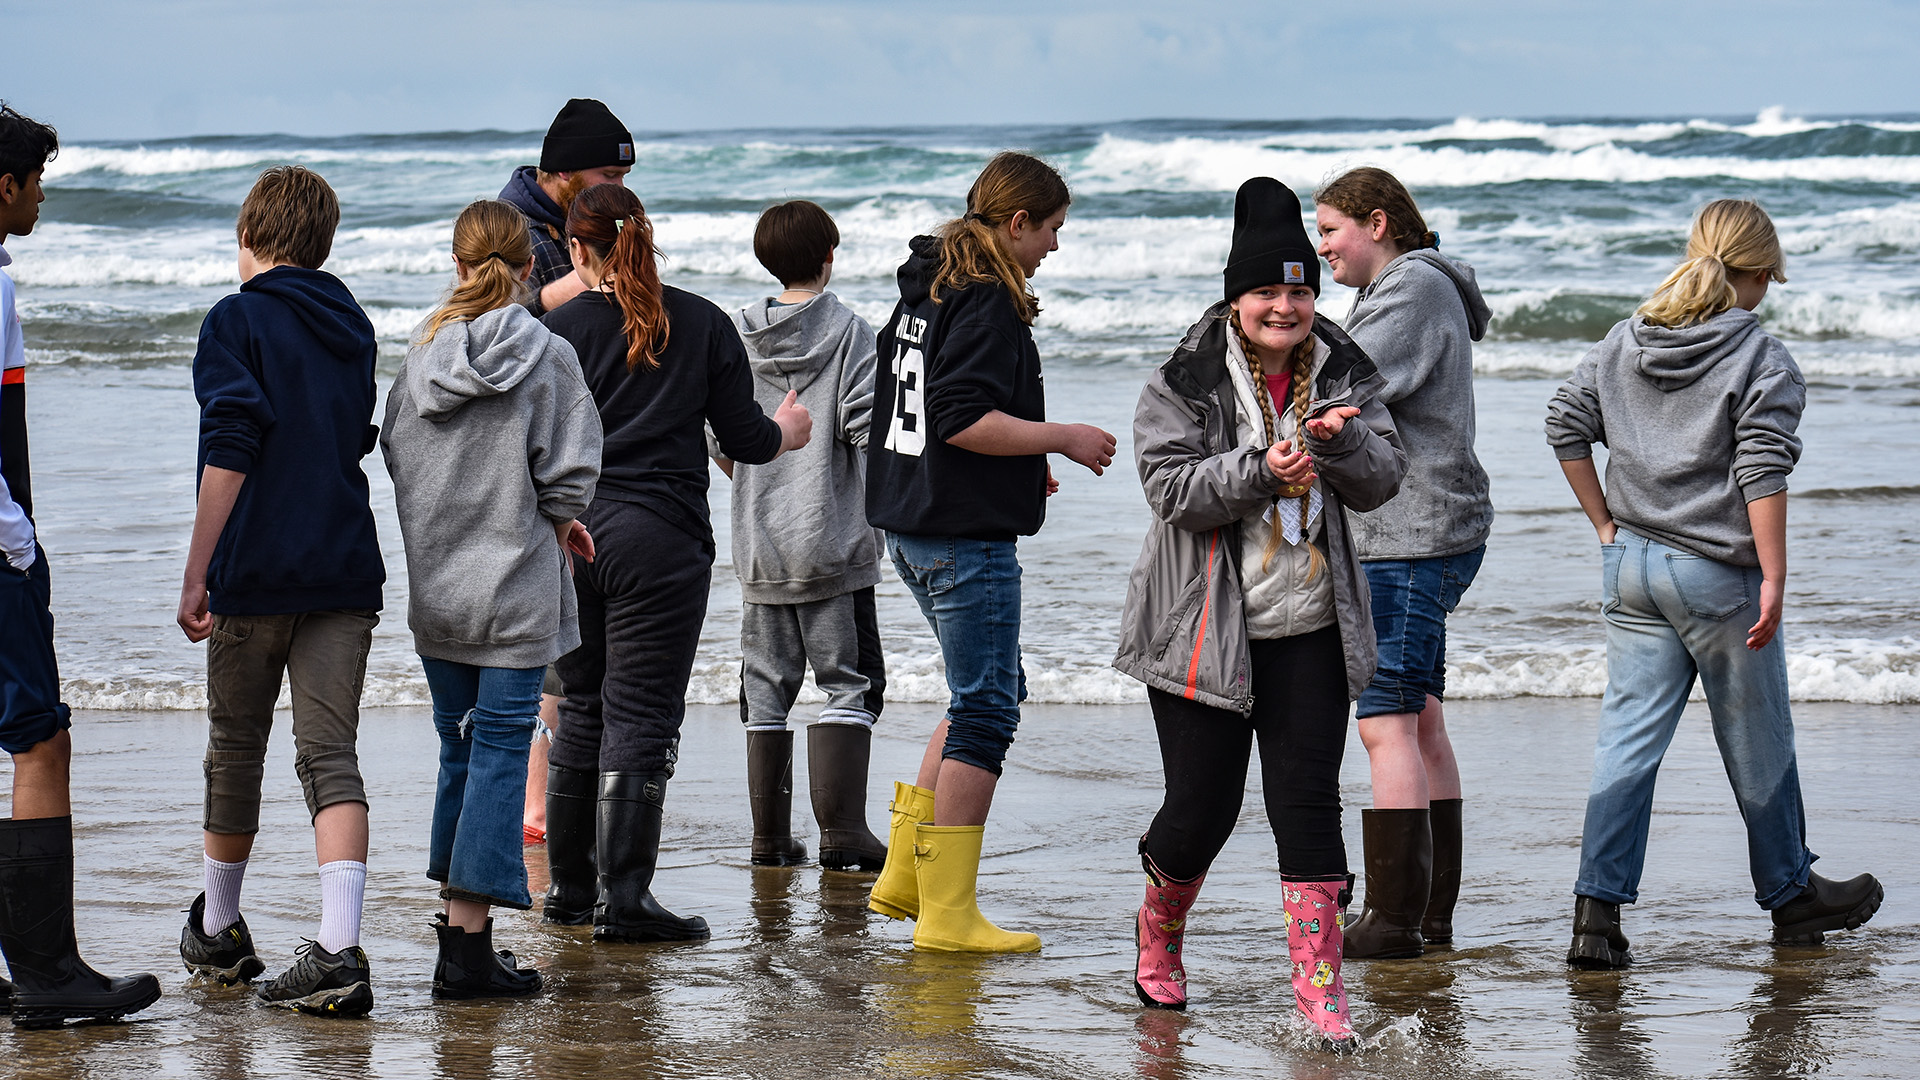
1699 409
493 443
1247 614
663 365
956 472
1417 316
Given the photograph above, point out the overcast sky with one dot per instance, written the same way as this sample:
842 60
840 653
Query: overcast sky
141 69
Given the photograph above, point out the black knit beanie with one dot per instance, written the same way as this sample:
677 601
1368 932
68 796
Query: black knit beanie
586 135
1270 245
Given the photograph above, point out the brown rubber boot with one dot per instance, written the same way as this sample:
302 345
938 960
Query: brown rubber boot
770 792
1399 847
1437 927
837 759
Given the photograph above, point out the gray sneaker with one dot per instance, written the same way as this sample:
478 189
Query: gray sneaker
321 983
226 957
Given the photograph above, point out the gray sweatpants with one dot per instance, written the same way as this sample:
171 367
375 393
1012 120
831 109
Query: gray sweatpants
839 637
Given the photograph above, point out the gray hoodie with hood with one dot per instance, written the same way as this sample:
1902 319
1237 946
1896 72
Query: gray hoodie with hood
491 436
1418 322
800 531
1698 421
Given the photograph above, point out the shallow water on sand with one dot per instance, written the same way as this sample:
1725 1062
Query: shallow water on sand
800 980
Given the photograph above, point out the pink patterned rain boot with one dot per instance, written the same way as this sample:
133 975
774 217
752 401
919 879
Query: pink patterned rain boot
1313 942
1158 931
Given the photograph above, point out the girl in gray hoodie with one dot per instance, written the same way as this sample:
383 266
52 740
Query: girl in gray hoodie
1698 408
493 442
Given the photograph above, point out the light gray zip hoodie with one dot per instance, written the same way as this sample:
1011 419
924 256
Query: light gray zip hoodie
491 436
1698 421
800 531
1418 321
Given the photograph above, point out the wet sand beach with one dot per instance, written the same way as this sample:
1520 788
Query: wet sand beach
799 980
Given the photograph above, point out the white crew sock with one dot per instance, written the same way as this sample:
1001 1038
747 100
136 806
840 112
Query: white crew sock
343 888
223 894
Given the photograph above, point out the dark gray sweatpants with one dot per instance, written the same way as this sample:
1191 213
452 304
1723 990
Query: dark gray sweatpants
839 637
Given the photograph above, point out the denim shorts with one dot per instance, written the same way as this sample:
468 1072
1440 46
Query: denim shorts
1411 601
969 590
30 708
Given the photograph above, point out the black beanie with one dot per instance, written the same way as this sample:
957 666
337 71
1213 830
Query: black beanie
1270 245
586 135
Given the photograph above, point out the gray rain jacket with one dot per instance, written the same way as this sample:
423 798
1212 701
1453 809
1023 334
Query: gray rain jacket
491 436
1184 629
800 531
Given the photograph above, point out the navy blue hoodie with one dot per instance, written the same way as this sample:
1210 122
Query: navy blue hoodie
284 376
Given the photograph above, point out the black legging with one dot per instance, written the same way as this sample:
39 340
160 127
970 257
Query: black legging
642 602
1300 714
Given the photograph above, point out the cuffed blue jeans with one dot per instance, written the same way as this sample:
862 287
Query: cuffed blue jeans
969 590
1671 615
485 718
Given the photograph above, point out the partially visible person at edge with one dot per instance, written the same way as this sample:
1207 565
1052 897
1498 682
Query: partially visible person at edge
283 581
487 400
585 145
662 364
1698 408
1417 316
51 983
958 473
806 557
1247 613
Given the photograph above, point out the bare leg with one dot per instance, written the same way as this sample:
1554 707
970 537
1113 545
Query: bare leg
930 761
467 915
40 779
534 814
339 832
228 847
1436 750
966 794
1393 755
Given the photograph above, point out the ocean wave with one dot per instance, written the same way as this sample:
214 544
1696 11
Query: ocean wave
175 160
1562 314
1853 669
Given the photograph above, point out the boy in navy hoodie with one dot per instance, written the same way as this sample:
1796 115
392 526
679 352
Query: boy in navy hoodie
284 576
50 981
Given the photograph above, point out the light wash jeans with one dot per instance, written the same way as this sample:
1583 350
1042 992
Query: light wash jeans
485 717
1671 615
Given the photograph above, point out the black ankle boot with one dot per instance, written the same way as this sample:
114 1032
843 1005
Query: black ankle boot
573 797
1597 940
51 982
770 794
837 759
628 850
469 967
1399 856
1826 905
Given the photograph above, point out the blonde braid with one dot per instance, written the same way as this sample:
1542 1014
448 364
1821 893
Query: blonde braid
1302 394
1264 394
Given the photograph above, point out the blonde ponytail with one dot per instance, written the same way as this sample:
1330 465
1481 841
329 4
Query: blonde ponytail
490 240
1729 236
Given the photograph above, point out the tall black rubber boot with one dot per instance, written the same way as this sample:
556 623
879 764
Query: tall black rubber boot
51 983
1437 927
468 967
629 849
770 794
1399 846
573 799
837 760
1597 940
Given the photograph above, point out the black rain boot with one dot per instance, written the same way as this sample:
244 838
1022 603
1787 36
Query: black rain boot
573 798
837 758
629 850
51 982
1597 940
469 967
770 794
1437 927
1826 905
1399 853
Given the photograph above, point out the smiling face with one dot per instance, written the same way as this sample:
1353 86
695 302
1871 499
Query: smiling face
1275 318
1031 242
1357 250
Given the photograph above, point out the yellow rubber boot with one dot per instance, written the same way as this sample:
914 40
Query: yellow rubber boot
896 893
948 861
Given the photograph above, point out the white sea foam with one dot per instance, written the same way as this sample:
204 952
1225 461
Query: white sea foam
172 160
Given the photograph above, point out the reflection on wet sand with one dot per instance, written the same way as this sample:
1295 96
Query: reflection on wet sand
800 980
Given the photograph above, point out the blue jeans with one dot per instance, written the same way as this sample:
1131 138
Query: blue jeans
1411 601
1671 615
969 590
485 718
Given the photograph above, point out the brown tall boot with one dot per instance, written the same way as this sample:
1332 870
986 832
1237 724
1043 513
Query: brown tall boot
837 759
770 793
1437 926
1399 846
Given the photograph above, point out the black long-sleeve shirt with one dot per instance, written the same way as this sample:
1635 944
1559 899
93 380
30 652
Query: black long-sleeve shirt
655 450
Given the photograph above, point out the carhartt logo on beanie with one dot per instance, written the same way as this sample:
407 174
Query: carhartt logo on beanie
1270 245
586 135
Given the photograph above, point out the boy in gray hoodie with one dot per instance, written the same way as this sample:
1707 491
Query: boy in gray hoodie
806 557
